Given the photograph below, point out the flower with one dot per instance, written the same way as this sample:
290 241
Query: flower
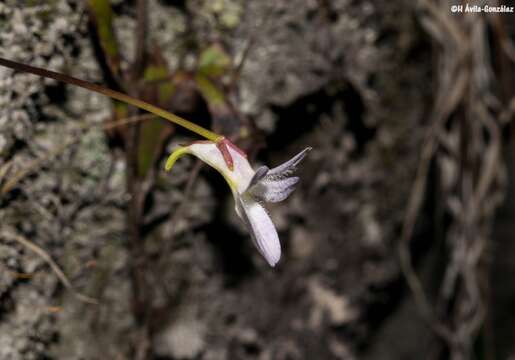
250 188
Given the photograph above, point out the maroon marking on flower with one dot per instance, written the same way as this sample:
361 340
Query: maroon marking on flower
222 146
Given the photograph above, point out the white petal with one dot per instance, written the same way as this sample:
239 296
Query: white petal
288 167
242 172
258 175
261 228
274 190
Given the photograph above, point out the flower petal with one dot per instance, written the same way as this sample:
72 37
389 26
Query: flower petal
274 190
238 178
260 174
261 228
288 167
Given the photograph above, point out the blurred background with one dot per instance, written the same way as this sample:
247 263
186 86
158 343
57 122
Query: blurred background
397 243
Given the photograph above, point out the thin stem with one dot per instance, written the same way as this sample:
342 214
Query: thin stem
114 95
140 55
53 265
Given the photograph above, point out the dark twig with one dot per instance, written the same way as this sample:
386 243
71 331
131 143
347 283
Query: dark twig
141 54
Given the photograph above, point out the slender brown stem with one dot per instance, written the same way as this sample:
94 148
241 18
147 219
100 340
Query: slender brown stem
113 94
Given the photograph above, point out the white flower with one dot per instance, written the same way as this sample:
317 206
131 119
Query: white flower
250 188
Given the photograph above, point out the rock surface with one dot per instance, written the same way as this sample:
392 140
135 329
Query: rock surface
318 73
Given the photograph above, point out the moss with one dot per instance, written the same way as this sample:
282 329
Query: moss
229 12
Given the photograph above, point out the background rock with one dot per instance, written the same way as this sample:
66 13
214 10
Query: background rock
353 79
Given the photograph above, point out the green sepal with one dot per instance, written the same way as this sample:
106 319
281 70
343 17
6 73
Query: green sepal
174 156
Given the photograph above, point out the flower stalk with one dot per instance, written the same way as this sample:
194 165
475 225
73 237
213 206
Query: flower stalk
114 95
